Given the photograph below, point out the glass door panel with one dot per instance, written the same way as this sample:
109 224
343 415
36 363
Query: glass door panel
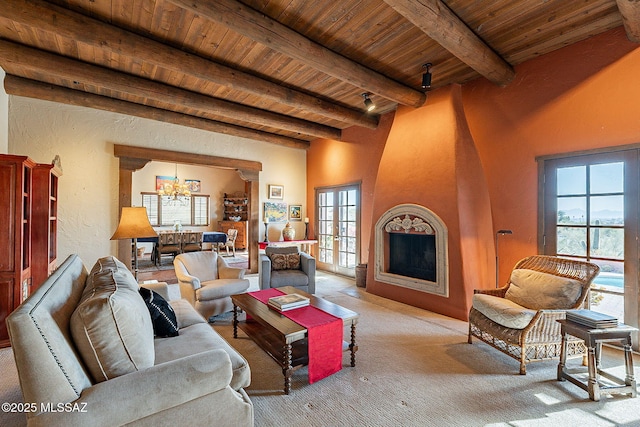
338 229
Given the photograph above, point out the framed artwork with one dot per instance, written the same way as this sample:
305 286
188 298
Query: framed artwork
193 185
275 212
276 191
295 212
162 180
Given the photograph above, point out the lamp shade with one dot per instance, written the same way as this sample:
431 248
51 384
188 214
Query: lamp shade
134 223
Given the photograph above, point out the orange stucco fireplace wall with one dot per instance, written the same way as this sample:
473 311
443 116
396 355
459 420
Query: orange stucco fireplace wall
430 160
583 97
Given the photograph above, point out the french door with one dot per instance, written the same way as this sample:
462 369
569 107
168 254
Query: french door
338 225
590 209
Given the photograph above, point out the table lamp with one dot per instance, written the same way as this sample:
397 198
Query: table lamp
134 223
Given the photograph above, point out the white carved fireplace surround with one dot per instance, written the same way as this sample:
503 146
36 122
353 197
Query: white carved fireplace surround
413 218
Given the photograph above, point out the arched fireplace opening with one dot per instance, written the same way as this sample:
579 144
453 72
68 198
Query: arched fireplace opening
411 249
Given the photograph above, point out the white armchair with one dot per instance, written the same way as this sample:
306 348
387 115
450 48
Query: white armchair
207 282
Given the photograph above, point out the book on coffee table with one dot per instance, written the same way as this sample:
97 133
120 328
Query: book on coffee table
288 302
592 319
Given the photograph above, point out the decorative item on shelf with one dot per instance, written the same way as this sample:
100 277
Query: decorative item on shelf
288 232
236 206
177 225
171 191
306 228
266 226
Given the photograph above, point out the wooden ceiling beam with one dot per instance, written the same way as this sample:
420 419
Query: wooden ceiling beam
65 23
154 154
19 86
437 21
269 32
630 11
17 59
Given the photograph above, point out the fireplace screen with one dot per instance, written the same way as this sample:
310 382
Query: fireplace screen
413 255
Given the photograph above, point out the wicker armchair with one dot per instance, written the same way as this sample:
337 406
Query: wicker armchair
540 338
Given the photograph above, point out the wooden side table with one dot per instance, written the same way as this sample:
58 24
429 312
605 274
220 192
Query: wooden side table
593 339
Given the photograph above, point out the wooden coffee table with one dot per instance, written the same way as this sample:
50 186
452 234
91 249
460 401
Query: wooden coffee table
281 338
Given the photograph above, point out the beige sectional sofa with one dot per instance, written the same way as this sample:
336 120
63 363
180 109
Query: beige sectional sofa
75 370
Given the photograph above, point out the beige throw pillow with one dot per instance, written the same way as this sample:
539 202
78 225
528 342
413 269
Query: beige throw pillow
536 290
111 326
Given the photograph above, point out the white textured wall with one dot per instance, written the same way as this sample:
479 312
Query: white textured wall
4 116
88 194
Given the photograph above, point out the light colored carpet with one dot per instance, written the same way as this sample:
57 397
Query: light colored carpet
414 368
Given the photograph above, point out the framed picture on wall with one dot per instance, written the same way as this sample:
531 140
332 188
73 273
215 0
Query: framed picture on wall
275 212
276 191
295 212
162 180
193 185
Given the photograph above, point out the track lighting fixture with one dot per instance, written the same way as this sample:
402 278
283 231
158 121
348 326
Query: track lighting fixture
426 77
368 103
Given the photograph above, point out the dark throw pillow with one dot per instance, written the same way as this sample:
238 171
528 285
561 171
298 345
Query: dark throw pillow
163 317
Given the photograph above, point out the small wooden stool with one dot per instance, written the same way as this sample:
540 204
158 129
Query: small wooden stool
593 339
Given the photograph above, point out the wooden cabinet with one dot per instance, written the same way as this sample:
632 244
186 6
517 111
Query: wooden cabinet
15 235
241 226
44 251
236 207
28 230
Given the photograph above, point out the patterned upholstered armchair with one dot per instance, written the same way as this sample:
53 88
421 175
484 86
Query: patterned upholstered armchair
519 319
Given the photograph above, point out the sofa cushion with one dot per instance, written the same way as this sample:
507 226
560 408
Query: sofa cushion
111 325
537 290
185 313
503 311
198 338
295 278
163 317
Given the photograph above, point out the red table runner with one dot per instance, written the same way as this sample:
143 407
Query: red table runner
324 333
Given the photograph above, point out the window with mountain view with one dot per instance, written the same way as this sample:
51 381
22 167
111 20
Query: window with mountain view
590 213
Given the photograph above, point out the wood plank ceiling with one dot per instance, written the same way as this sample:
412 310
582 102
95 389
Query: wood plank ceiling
280 71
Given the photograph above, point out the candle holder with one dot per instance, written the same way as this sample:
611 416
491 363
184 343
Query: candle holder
266 225
306 231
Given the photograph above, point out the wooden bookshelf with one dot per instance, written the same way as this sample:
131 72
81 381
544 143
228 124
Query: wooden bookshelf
15 235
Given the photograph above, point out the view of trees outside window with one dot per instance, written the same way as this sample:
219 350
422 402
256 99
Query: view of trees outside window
590 226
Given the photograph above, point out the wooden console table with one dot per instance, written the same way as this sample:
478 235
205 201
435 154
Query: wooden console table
593 339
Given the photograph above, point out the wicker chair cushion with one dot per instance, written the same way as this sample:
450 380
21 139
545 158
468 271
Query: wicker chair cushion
536 290
503 311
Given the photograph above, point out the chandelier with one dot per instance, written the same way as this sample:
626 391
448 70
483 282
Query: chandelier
175 193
